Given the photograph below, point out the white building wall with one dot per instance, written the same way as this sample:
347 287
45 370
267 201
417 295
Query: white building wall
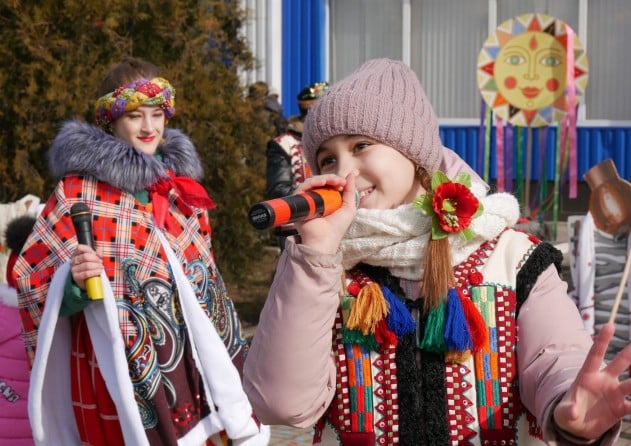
263 31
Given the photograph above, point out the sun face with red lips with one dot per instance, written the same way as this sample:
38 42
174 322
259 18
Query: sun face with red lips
530 69
523 71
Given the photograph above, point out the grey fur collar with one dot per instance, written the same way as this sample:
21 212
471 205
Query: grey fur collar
84 149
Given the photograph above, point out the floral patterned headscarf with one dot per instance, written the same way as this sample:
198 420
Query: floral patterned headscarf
157 91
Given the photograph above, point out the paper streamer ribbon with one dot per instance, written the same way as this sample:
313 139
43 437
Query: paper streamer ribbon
508 161
499 153
557 180
541 168
487 143
571 110
519 165
481 132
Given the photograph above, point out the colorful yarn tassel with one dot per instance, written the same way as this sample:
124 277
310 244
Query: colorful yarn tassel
351 336
399 319
434 338
477 325
369 308
384 336
454 357
457 335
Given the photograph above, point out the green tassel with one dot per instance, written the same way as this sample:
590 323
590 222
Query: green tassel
354 336
434 338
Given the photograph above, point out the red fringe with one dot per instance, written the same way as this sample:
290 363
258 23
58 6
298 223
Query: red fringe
477 324
384 336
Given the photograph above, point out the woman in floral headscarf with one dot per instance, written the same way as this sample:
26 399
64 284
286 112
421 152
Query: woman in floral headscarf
157 360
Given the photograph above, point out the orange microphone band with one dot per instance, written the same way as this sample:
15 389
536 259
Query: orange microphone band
304 206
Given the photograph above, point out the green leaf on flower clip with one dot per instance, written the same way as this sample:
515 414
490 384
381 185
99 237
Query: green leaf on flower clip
467 234
479 211
438 178
437 231
463 178
424 204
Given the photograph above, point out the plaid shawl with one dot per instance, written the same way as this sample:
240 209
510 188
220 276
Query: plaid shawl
103 172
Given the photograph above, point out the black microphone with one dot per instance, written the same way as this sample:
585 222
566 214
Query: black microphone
304 206
82 222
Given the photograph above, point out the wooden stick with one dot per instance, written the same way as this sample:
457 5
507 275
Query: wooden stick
623 285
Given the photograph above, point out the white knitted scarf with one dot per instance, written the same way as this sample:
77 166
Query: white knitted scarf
396 238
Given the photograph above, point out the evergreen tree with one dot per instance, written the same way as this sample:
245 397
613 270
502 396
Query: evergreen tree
54 54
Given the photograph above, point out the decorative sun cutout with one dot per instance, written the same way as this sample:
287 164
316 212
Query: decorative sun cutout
522 70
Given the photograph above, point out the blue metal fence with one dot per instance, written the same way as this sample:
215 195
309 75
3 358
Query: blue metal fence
594 144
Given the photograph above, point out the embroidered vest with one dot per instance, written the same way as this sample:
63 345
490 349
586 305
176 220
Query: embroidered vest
480 395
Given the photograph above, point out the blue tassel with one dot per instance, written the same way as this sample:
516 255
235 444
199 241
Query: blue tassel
399 319
457 334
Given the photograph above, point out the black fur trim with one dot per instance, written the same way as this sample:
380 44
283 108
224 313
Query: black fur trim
17 231
411 422
434 405
541 258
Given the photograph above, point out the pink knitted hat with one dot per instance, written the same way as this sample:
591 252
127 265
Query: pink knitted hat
382 99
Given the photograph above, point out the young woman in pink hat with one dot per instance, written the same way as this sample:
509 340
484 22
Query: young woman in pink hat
419 317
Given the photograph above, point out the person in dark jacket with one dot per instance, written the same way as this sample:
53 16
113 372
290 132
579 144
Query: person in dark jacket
286 165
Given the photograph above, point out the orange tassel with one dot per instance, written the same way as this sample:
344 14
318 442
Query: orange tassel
369 308
454 357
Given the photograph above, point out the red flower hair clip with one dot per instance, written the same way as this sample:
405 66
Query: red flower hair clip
451 205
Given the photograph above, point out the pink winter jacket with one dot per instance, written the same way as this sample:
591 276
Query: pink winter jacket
14 374
290 374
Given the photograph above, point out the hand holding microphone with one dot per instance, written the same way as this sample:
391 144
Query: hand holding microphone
304 206
82 222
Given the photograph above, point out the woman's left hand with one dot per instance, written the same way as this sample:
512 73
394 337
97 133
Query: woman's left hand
85 262
596 401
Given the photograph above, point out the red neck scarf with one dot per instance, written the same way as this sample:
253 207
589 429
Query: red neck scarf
189 190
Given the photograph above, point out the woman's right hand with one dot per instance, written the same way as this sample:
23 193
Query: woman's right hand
85 262
325 234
